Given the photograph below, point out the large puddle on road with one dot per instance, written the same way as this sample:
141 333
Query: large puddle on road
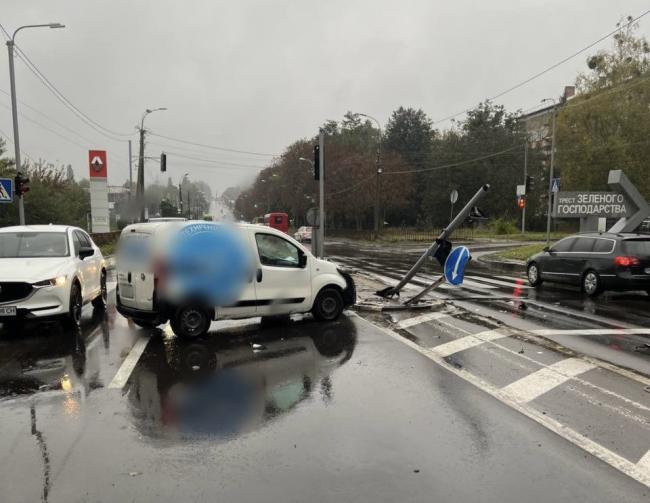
236 379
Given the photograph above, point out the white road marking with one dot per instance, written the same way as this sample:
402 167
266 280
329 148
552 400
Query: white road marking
416 320
536 384
467 342
644 463
500 283
592 331
638 471
129 363
511 278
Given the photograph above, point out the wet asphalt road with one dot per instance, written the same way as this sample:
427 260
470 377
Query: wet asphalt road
461 402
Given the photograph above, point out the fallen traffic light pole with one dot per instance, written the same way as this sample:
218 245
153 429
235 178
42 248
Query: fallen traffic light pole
440 247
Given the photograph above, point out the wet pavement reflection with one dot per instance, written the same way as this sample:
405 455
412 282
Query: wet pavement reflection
46 356
236 379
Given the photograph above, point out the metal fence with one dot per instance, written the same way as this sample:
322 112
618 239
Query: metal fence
395 234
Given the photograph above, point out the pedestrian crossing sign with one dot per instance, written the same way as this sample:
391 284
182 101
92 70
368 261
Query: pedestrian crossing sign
6 190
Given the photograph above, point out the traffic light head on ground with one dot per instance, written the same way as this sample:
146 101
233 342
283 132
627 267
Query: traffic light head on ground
316 162
21 184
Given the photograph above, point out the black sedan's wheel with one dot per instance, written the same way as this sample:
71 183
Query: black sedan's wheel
591 284
190 322
73 317
534 277
328 305
99 302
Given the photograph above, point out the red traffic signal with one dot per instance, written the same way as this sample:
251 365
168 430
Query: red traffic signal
21 183
521 202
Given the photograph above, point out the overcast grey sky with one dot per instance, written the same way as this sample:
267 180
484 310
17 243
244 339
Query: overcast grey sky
257 75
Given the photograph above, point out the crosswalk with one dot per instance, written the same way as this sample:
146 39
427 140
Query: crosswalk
581 399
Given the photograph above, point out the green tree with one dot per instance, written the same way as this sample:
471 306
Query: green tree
607 125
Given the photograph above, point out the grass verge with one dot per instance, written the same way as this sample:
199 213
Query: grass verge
519 252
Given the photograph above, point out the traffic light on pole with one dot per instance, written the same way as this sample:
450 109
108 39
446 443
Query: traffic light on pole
521 202
316 162
163 162
530 184
21 184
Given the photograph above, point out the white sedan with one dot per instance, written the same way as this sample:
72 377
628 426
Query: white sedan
303 234
49 271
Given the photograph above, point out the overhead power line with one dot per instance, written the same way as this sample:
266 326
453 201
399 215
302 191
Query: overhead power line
62 98
213 147
547 69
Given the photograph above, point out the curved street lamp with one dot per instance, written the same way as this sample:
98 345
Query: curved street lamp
379 170
14 108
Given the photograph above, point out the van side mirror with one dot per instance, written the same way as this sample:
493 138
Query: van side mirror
86 251
302 260
547 249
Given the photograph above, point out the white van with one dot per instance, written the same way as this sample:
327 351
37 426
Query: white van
296 282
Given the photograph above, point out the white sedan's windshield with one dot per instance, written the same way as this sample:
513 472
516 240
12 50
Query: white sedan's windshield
33 244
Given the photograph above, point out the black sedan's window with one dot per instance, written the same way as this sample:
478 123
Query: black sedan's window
604 246
584 245
638 247
564 245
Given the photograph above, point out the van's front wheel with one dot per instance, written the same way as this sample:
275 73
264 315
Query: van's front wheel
328 305
190 321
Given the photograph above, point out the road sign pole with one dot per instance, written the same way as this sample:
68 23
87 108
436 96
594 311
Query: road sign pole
550 180
321 196
14 113
523 210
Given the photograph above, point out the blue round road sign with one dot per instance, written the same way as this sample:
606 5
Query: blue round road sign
455 265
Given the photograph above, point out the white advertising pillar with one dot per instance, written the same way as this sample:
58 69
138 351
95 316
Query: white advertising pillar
98 191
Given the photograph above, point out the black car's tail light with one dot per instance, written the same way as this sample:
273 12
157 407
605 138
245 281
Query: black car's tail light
624 261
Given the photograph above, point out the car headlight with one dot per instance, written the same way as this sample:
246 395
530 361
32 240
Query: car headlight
58 281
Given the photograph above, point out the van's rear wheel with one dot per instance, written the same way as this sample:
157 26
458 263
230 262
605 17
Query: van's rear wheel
328 305
190 321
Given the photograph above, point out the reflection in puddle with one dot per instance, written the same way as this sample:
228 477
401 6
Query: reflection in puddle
234 381
44 357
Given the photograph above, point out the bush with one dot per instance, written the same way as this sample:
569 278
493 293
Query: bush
502 226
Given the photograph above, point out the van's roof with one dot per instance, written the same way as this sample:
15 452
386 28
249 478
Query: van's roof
152 227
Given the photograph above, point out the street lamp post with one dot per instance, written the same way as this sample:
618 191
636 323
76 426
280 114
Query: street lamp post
139 192
551 169
379 172
14 106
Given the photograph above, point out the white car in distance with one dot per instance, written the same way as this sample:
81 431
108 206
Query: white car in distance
49 271
303 234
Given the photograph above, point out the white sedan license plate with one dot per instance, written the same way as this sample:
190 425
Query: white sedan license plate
7 310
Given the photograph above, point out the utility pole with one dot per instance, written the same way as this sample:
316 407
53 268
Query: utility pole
321 195
139 192
180 199
130 183
523 210
550 179
14 106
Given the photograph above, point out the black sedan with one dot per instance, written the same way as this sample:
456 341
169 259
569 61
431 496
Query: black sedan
596 262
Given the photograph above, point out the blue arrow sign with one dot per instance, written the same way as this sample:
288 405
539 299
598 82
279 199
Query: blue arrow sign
455 265
6 190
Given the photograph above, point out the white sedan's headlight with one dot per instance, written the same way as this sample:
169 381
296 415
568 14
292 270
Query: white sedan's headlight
58 281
